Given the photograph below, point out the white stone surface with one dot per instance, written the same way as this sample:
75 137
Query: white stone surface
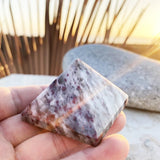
23 80
142 129
99 101
143 133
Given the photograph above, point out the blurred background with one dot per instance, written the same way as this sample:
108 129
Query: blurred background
35 34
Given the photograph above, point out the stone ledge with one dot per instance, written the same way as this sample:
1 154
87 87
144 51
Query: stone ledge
25 79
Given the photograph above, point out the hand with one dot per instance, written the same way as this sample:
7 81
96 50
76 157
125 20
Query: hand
22 141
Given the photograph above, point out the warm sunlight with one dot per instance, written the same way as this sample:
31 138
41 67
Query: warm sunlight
149 25
92 26
131 25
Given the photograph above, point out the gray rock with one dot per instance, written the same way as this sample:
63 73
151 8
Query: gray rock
138 76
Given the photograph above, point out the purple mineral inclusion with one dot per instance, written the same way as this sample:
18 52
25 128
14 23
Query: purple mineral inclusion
80 104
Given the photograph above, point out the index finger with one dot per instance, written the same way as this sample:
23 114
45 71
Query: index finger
114 147
13 100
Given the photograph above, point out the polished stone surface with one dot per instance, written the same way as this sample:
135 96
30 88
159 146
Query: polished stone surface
138 76
80 104
141 130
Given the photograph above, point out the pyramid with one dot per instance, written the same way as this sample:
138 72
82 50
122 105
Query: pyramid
80 104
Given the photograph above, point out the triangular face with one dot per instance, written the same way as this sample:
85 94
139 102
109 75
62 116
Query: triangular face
80 104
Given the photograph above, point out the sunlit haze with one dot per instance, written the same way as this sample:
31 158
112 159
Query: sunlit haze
29 19
149 25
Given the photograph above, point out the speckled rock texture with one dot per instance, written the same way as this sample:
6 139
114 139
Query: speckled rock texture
141 129
80 104
138 76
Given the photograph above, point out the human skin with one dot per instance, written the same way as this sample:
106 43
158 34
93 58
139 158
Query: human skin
22 141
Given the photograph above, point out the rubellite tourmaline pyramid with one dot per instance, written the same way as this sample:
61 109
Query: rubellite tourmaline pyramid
80 104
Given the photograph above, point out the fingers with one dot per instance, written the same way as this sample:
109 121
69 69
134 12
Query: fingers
114 147
13 125
118 124
16 131
14 100
6 149
51 146
47 146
